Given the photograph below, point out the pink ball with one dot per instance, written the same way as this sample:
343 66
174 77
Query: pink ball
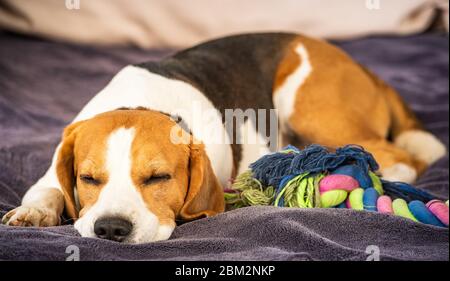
342 182
439 209
384 205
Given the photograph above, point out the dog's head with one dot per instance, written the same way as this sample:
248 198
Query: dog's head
124 179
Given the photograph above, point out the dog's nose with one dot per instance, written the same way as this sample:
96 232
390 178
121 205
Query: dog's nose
115 229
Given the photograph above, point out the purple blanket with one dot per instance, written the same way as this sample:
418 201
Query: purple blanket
44 84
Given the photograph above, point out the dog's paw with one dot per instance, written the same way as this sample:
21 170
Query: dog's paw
399 172
31 216
422 145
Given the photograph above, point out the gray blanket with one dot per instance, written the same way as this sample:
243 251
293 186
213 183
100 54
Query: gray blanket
44 84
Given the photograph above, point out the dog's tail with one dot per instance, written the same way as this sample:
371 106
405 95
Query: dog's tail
407 132
403 118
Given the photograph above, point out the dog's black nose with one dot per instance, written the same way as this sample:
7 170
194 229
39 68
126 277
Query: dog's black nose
115 229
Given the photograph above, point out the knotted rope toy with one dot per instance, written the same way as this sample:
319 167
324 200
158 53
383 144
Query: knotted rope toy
318 178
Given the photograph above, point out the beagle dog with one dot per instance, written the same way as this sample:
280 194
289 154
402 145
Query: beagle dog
136 159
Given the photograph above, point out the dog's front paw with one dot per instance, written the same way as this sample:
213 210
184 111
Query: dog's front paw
31 216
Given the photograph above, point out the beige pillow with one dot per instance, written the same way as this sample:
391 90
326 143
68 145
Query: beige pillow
162 23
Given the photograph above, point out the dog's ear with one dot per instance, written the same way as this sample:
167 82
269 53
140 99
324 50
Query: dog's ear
204 196
65 169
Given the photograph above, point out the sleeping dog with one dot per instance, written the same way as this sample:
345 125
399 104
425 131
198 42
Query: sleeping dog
128 168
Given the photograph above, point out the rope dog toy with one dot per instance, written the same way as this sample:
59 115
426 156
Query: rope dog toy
318 178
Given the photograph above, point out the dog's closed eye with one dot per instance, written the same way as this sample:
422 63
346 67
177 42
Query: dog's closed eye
156 178
90 180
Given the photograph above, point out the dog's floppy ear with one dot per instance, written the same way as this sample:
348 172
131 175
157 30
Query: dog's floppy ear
204 196
65 168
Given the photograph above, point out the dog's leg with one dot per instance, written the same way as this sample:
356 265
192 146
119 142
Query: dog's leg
42 205
421 145
407 131
346 104
396 164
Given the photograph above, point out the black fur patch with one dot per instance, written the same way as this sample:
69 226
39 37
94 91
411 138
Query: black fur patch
232 72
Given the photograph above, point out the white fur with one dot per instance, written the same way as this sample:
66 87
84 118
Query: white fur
252 144
285 95
164 232
422 145
119 197
49 180
133 87
399 172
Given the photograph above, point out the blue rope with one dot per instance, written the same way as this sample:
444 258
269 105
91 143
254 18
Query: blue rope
405 191
277 169
272 168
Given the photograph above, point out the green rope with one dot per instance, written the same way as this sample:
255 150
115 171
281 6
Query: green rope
317 201
376 183
246 181
251 192
289 189
301 191
252 197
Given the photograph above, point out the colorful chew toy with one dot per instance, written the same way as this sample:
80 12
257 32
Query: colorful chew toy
318 178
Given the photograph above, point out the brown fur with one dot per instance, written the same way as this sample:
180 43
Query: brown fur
205 195
342 103
289 64
192 191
